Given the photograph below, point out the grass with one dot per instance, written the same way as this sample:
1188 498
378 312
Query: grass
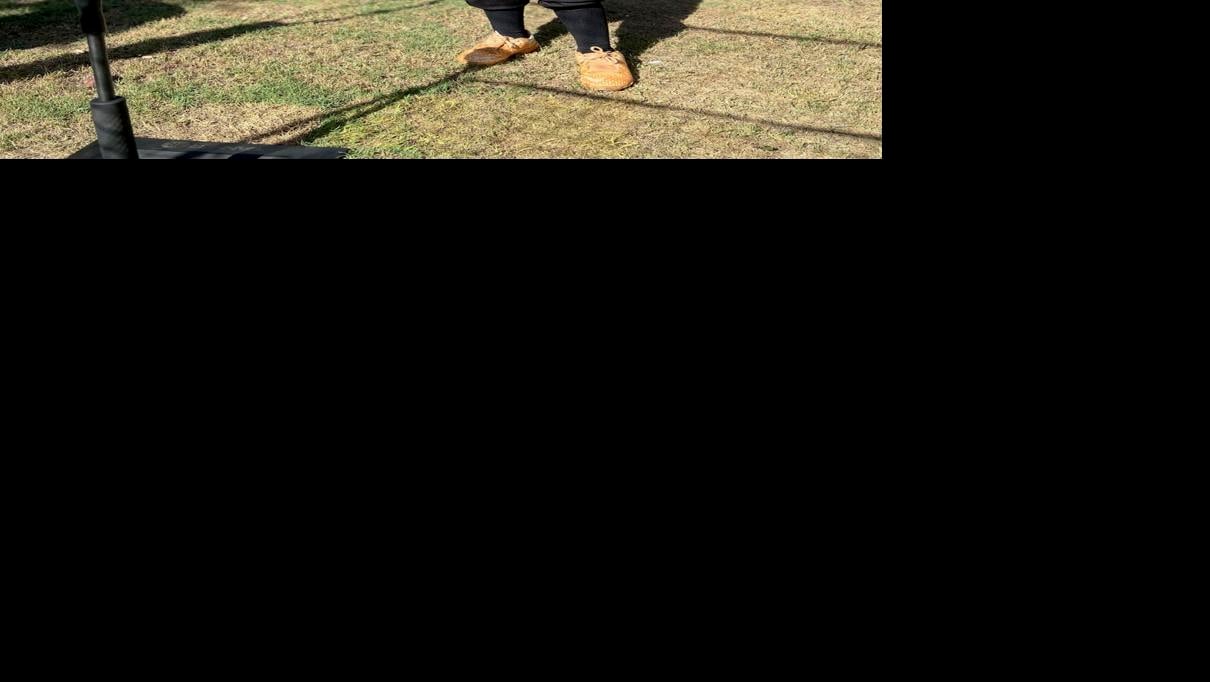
718 79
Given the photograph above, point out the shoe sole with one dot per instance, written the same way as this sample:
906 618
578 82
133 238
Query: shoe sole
618 88
462 57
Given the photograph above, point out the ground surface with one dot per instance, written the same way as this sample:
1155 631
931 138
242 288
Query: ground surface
718 78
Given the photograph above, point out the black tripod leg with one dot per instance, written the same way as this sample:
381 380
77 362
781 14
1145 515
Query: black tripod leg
110 115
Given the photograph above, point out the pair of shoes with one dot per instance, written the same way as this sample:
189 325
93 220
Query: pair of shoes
599 70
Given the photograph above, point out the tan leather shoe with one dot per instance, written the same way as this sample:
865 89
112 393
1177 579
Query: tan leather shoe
601 70
496 48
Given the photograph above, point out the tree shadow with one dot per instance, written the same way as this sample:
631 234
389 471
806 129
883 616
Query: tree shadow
150 46
48 22
142 48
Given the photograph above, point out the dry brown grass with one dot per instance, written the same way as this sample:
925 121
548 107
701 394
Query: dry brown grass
718 79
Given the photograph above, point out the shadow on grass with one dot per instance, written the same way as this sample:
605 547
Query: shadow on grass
142 48
647 22
810 39
57 21
151 46
338 118
688 110
368 14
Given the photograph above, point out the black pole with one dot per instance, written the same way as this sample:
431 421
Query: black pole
110 115
100 69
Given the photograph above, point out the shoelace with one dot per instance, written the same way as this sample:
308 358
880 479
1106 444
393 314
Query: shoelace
598 53
508 42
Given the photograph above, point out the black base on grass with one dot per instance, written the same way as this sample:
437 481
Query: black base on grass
115 134
185 149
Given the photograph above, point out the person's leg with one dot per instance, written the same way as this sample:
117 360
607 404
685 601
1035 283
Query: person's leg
601 67
507 17
586 22
509 39
508 22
